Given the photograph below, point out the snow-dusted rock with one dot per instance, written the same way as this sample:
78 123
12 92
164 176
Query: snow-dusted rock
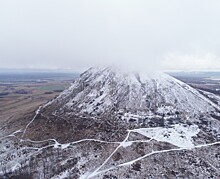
112 123
110 90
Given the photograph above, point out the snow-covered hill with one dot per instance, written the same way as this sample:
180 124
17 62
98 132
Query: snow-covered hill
112 123
111 90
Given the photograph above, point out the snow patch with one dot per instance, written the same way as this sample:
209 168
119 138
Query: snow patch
178 135
61 146
126 144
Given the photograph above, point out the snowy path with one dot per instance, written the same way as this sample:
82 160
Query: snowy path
12 134
147 132
97 171
125 143
36 113
165 151
121 144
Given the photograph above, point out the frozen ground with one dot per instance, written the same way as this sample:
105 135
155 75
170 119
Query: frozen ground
141 126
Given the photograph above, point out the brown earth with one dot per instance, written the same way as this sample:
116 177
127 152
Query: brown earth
23 98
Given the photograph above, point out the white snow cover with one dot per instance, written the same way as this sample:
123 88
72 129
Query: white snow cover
58 145
178 135
102 89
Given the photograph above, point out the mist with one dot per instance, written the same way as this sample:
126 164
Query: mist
145 35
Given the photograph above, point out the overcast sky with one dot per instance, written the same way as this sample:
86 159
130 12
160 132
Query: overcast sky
139 34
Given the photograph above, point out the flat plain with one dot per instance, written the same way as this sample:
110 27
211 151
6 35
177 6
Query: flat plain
22 94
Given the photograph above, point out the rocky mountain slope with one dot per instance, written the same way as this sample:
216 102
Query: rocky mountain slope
106 90
117 124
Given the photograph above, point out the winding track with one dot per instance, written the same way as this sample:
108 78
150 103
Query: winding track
98 170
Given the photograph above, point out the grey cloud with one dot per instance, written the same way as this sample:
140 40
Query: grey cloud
79 34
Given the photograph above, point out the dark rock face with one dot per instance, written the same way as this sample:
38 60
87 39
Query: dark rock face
114 124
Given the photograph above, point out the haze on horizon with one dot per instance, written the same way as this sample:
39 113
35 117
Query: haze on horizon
146 35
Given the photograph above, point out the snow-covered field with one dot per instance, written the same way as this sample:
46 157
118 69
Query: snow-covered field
178 135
